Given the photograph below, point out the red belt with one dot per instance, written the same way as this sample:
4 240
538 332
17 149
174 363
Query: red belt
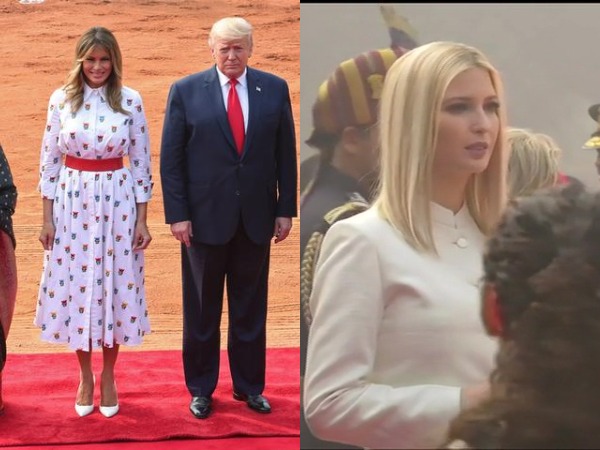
94 165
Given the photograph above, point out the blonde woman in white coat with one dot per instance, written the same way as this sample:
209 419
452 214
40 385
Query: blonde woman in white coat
397 347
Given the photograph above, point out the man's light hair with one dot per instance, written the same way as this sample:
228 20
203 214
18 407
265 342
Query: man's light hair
230 28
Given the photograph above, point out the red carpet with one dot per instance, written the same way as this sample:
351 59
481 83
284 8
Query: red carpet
237 443
39 394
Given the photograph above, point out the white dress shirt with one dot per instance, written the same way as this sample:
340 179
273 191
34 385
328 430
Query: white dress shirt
242 90
395 333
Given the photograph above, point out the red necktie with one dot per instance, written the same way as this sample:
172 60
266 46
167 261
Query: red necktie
235 115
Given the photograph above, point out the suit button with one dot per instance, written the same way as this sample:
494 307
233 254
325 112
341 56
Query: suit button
241 164
237 193
462 242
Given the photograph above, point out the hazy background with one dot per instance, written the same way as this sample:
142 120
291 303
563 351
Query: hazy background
548 56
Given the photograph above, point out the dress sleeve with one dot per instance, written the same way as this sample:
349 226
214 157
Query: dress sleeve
344 401
8 197
50 155
139 152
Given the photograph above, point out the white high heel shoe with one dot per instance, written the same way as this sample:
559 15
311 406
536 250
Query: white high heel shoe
109 411
84 410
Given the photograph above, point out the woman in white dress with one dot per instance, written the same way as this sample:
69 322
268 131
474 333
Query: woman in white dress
397 346
94 228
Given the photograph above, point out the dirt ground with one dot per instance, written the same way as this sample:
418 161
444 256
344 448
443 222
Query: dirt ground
161 41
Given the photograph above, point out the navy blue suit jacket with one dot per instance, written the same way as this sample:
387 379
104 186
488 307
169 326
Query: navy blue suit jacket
203 178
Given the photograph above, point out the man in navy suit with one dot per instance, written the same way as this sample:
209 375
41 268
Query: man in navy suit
229 186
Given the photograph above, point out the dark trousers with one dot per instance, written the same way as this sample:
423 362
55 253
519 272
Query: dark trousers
244 267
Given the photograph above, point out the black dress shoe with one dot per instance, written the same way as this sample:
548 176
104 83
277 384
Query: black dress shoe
256 402
200 407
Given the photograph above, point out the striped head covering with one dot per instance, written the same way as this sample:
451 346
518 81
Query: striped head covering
350 95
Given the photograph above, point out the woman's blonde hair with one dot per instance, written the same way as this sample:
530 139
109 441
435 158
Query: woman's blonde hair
533 162
411 100
94 38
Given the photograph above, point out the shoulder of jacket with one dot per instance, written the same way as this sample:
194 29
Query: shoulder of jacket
354 206
268 76
192 78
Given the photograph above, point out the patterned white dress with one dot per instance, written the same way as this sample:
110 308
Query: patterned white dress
92 286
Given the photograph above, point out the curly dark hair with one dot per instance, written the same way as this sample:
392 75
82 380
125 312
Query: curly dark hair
544 261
